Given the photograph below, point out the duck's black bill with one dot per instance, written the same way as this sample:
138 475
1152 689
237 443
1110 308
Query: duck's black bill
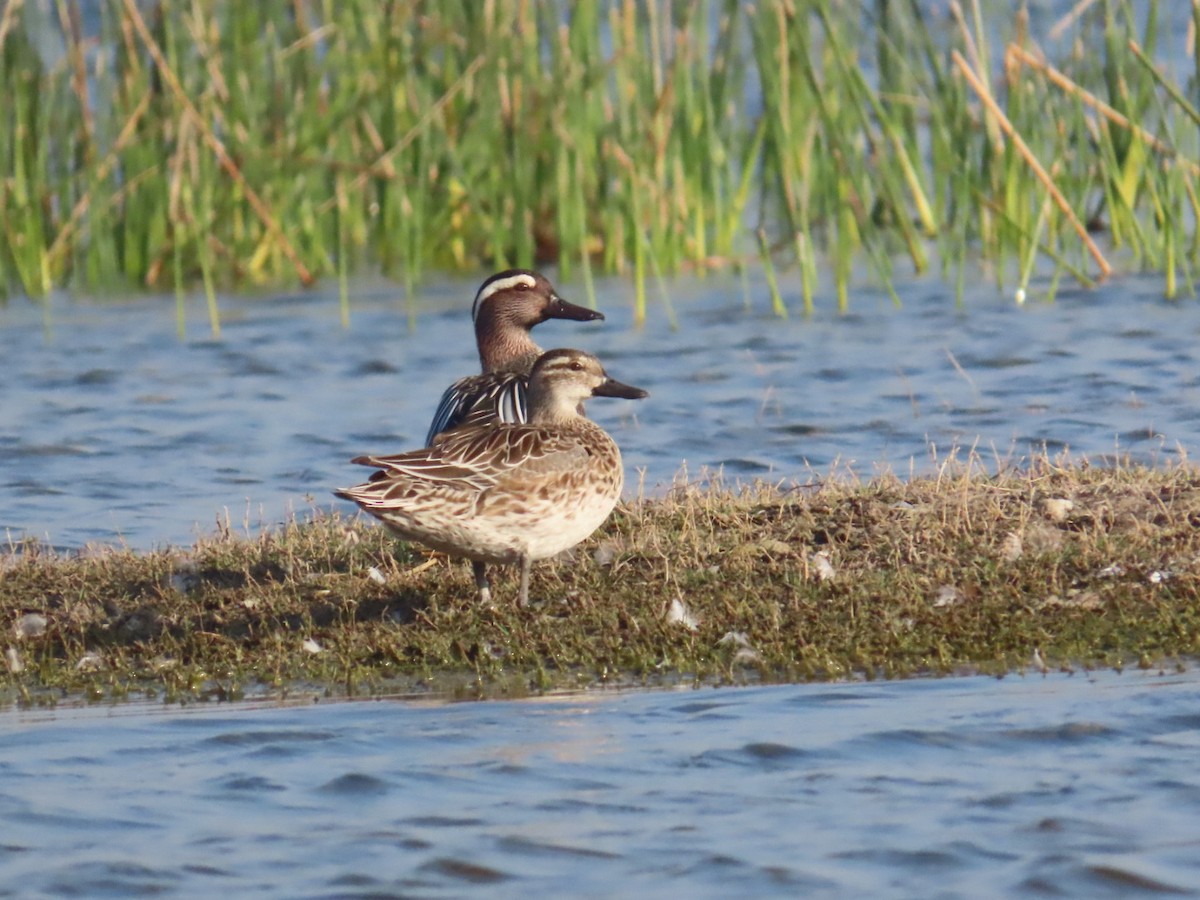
561 309
612 388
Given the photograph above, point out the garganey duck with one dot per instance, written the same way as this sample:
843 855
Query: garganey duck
509 493
506 307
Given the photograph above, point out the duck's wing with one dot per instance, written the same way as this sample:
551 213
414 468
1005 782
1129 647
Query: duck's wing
480 458
479 400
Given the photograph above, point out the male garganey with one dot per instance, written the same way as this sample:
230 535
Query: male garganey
506 307
509 493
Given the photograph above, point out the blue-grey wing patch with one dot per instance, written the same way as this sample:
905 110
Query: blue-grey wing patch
449 411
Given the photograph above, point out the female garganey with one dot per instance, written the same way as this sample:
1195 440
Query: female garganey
506 307
509 493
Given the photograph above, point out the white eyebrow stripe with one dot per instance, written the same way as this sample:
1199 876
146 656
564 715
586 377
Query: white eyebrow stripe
503 284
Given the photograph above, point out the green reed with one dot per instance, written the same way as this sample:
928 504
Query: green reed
218 144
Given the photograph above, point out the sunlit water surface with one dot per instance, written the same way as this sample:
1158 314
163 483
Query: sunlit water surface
114 429
1080 785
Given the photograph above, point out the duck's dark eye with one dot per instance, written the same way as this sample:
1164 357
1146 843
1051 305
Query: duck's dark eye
521 286
576 365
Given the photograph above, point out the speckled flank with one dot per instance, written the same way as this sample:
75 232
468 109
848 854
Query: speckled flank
509 493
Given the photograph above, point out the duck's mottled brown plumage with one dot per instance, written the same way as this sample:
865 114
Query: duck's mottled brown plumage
506 307
508 493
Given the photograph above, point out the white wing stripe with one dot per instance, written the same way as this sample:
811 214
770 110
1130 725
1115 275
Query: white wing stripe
501 397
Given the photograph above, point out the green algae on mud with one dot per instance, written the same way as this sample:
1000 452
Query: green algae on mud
1058 565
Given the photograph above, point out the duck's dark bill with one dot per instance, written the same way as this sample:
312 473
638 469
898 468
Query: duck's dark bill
612 388
561 309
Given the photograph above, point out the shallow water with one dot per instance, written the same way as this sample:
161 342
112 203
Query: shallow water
112 429
1066 785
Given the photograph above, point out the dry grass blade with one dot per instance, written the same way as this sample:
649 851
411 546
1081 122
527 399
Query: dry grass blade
1066 84
214 143
1072 16
9 17
61 240
1166 85
985 95
383 164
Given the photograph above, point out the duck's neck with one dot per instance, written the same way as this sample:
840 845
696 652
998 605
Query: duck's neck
554 411
504 346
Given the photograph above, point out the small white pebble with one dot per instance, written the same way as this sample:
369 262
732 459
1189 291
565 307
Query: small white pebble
737 638
31 625
947 595
89 662
311 646
746 657
1019 296
822 568
605 554
1116 570
185 578
184 582
1158 576
1057 508
1012 548
376 576
679 614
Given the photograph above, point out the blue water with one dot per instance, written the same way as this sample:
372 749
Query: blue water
1065 785
112 429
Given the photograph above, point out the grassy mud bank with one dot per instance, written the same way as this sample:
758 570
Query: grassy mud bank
1055 566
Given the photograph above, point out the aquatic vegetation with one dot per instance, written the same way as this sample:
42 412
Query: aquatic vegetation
1058 565
234 144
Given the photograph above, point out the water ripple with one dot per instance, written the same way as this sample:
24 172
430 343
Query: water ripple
355 784
463 870
114 430
1079 786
